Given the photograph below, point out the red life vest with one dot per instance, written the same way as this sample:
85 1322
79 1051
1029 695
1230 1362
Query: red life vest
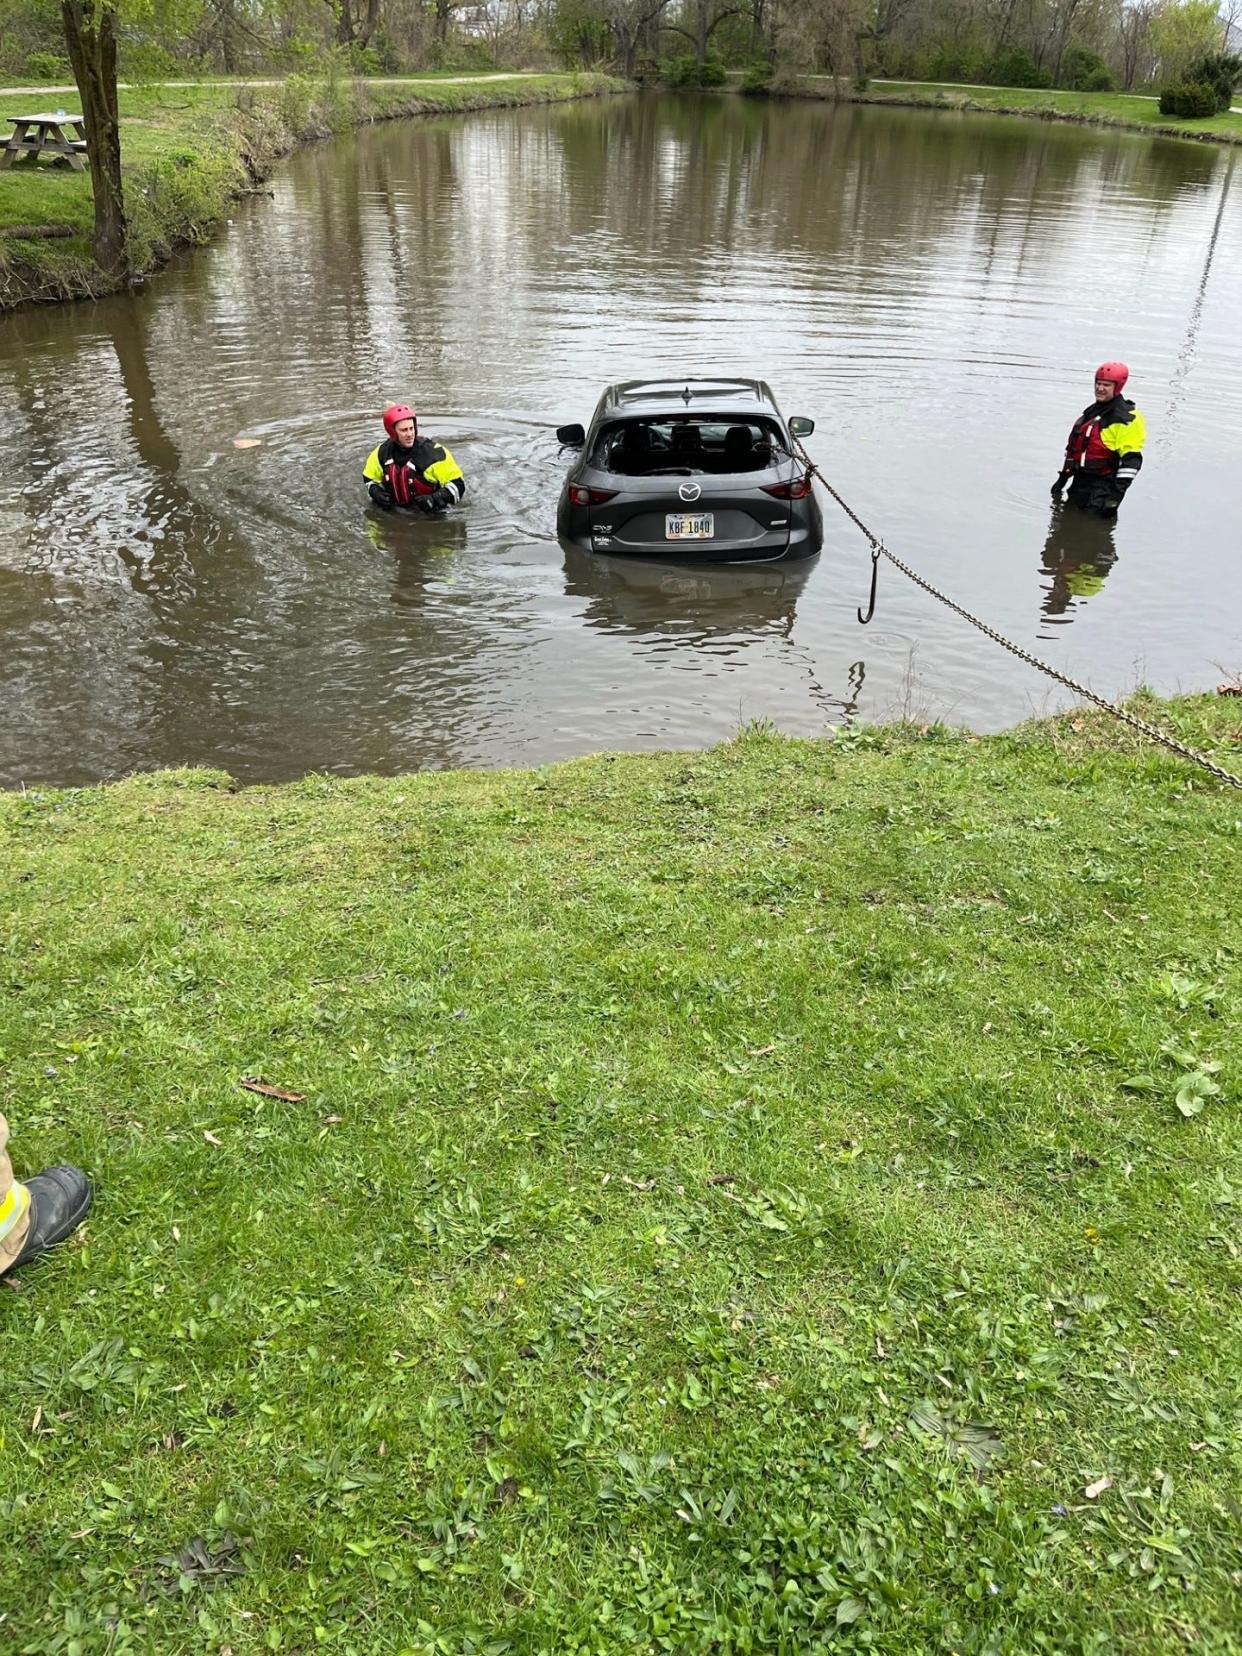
1085 447
1086 451
404 484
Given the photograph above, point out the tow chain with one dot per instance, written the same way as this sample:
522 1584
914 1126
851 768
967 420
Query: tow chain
879 550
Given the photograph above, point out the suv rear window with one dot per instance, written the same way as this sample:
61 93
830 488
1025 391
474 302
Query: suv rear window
682 445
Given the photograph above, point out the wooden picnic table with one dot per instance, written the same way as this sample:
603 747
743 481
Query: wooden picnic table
58 135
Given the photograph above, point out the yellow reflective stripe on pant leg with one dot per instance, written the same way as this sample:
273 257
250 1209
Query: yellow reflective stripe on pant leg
13 1209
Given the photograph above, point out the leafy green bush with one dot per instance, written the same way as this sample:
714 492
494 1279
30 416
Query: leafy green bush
146 61
295 101
183 193
365 60
950 64
687 71
1220 70
1018 68
461 57
333 99
385 52
757 79
1190 99
1083 70
298 53
46 66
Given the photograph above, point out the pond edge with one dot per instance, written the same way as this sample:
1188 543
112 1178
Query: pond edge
965 104
180 199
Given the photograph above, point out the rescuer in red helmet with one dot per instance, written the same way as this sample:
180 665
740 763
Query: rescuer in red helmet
1105 448
411 471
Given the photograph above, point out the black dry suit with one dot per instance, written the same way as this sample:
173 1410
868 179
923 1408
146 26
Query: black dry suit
1103 455
425 477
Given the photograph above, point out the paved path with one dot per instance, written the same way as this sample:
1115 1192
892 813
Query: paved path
371 80
513 74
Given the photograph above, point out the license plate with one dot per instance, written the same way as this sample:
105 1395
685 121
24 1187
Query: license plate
701 526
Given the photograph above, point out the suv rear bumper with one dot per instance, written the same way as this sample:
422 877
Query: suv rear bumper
800 540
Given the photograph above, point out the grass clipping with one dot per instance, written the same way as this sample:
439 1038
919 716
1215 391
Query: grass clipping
722 1202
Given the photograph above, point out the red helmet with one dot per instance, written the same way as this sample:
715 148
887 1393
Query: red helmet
397 413
1115 371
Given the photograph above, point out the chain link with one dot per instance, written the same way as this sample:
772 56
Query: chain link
1151 731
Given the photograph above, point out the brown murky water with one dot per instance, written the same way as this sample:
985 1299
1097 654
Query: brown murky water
934 289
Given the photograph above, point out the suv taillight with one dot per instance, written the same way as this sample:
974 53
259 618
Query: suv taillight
797 490
578 496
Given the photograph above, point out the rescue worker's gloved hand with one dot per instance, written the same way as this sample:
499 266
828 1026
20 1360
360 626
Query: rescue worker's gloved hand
426 504
443 497
380 495
1059 485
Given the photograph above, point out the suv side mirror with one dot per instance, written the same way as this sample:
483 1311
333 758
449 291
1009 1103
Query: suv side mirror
570 436
800 427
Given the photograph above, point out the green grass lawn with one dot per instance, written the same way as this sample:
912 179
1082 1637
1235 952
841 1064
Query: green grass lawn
1107 107
182 149
776 1199
155 121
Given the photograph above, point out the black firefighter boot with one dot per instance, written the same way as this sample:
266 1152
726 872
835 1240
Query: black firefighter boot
60 1198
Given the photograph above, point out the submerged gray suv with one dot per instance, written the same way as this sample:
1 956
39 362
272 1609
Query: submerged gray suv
701 469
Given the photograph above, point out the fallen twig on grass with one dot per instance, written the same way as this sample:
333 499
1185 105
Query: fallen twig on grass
256 1084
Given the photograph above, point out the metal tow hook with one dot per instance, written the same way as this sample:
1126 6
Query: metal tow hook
875 571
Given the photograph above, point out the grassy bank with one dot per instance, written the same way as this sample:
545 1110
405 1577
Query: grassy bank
778 1199
189 151
1117 109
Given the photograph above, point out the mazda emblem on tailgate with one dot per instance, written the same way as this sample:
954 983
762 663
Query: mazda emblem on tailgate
689 491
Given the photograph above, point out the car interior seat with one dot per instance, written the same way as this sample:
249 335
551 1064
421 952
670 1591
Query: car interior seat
632 454
687 446
739 449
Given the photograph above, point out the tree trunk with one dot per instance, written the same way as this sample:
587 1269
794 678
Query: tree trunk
345 24
226 35
1003 36
90 35
372 22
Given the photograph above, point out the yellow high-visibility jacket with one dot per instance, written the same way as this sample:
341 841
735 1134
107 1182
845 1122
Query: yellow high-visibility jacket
405 474
1106 441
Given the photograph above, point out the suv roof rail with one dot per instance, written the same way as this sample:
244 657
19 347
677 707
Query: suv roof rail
684 393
